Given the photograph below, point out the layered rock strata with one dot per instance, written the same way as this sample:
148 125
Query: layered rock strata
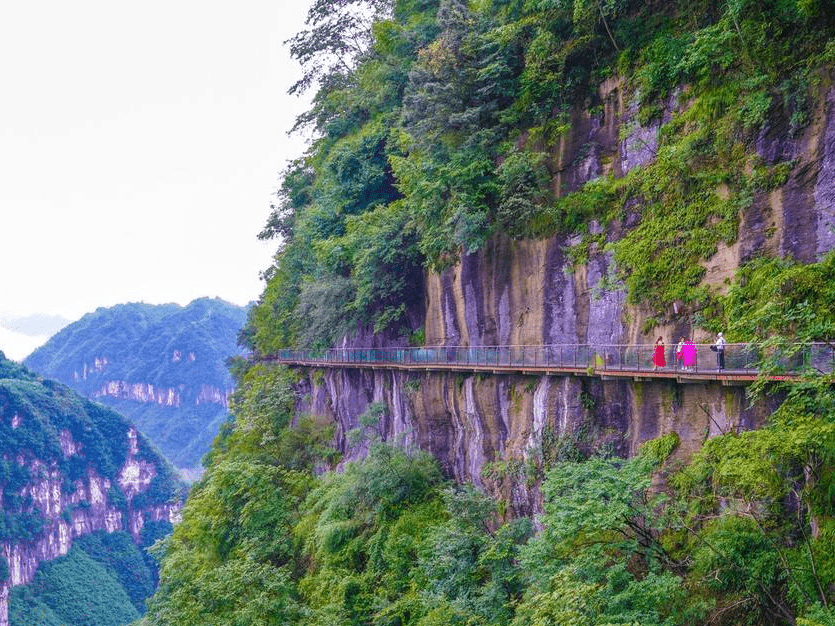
87 508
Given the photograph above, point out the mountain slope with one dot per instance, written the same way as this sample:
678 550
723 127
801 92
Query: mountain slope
162 366
71 467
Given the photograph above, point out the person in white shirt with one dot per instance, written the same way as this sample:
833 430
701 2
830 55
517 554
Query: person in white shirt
720 351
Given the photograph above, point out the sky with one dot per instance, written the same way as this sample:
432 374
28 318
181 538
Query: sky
140 145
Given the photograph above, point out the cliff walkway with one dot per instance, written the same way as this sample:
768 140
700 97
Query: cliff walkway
602 360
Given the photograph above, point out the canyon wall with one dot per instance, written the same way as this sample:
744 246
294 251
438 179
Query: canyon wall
487 428
146 392
495 430
86 508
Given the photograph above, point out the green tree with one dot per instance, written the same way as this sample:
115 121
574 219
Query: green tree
340 33
602 556
231 559
470 562
761 512
364 525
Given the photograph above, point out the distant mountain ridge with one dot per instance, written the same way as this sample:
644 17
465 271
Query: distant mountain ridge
162 366
20 335
34 325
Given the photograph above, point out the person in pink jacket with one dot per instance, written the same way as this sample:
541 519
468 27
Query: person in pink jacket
689 354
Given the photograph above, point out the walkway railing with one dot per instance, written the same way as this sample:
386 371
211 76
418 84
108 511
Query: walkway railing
740 358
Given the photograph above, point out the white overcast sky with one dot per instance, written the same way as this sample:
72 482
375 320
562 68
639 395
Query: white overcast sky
140 143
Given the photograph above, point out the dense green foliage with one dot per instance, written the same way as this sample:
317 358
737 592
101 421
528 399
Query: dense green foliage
124 561
436 129
75 589
229 560
104 579
164 346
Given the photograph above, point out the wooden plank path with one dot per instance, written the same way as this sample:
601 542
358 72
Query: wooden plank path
606 361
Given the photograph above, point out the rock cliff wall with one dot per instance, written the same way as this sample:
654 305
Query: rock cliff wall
146 392
86 508
495 430
488 429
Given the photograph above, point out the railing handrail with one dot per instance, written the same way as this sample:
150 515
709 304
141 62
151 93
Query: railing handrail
742 358
550 345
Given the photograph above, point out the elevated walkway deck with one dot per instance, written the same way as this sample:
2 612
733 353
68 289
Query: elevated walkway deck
606 361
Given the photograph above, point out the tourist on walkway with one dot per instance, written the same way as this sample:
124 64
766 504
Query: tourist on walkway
658 357
720 351
689 354
679 354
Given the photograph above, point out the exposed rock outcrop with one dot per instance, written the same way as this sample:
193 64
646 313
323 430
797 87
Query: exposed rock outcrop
146 393
88 507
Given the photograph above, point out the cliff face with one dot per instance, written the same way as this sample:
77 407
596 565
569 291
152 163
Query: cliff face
86 509
146 392
69 468
172 397
486 428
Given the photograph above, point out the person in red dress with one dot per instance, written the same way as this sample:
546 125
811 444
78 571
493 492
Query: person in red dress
658 358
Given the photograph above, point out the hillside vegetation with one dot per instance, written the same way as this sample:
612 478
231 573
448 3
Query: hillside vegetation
104 580
37 419
435 124
443 132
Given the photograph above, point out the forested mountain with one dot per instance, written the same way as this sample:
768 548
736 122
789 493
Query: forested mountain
83 496
162 366
535 172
